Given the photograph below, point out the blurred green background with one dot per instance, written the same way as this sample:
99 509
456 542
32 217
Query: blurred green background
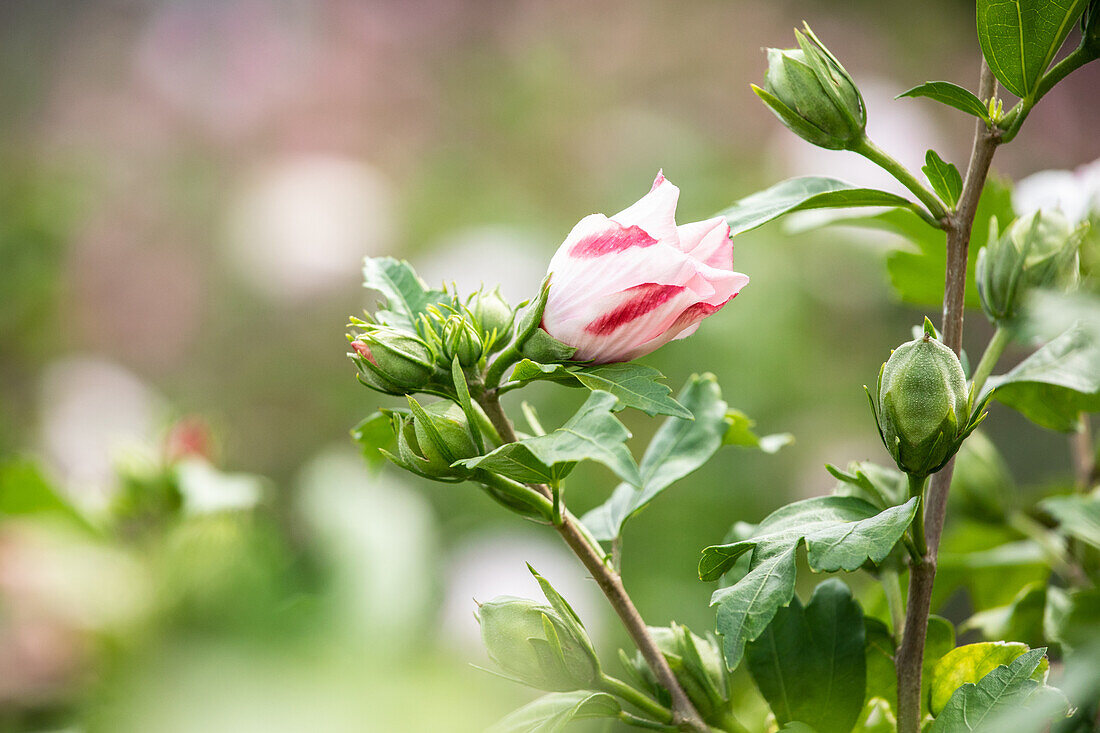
186 192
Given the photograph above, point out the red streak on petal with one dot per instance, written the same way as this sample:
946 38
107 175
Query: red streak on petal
695 313
658 180
611 241
645 298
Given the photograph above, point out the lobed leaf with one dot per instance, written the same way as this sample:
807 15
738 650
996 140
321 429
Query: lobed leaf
679 447
809 663
405 293
839 532
634 385
970 663
592 433
1056 383
1007 698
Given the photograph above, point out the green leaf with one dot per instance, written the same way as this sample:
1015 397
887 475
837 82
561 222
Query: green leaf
971 663
809 663
591 434
800 194
24 491
1020 38
634 385
1078 515
952 95
740 433
1007 698
551 713
840 533
944 177
405 293
1021 621
882 680
1056 383
374 434
882 486
678 447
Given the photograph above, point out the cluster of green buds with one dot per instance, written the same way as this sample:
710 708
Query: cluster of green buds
1036 251
924 410
544 646
699 668
402 360
811 93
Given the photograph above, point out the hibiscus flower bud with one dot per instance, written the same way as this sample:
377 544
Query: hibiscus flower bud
392 361
622 286
461 339
1035 251
533 643
811 93
432 437
495 316
923 410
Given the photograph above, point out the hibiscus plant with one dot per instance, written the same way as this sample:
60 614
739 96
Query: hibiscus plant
620 287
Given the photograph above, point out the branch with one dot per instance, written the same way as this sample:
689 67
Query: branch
684 714
910 656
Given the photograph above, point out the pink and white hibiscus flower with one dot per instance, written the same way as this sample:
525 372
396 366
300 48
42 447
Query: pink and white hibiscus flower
623 286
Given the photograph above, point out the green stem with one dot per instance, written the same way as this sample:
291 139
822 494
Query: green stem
993 350
916 488
496 370
580 541
891 586
555 497
519 492
884 160
1078 58
635 698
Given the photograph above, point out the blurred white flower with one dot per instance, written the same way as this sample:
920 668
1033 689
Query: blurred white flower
1075 192
379 534
91 412
205 489
490 256
304 224
491 564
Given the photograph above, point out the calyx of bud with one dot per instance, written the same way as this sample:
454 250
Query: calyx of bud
495 317
924 411
432 437
391 361
811 93
698 665
544 646
1036 251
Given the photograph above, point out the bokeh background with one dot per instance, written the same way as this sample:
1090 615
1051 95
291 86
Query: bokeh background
187 190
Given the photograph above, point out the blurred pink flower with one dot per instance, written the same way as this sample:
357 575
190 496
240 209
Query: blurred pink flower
623 286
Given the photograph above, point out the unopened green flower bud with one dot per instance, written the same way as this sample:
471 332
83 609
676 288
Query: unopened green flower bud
698 665
392 361
811 93
495 316
443 434
460 338
532 643
1036 251
923 410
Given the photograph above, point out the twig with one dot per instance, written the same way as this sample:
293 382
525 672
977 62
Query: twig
684 714
910 656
